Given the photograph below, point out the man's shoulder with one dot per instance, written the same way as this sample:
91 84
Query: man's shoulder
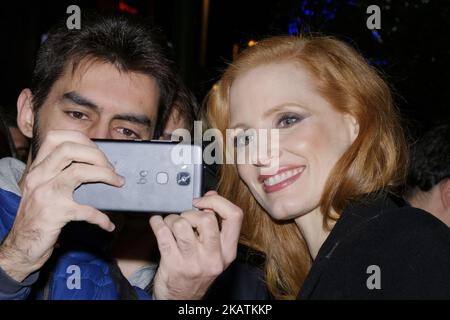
11 170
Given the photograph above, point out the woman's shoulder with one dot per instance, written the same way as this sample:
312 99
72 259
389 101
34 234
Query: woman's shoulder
393 214
413 222
409 246
386 224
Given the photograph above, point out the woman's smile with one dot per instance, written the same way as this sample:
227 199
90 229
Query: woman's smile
280 180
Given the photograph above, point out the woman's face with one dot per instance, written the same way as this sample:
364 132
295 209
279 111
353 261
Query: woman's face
312 136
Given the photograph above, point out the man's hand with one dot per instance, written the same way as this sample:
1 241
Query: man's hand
194 251
65 160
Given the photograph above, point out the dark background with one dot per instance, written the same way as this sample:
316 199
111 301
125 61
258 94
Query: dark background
412 48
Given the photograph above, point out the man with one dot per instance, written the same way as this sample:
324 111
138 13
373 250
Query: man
111 79
429 176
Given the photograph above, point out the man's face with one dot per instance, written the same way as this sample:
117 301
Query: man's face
101 102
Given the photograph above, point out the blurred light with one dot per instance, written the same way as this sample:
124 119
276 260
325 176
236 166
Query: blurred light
377 36
235 50
293 28
251 43
127 8
44 37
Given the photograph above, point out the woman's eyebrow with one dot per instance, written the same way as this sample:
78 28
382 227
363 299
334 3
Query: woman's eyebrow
279 107
238 125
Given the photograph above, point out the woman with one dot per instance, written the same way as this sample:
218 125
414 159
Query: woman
325 217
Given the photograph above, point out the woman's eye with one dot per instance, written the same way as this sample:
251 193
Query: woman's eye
77 115
288 120
242 140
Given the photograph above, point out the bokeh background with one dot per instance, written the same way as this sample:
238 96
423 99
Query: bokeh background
412 48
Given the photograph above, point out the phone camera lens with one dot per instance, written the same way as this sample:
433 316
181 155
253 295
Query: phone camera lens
183 178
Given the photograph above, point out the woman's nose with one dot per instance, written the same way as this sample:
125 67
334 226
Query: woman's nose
261 160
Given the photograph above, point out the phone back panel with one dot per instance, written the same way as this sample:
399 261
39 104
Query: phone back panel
161 177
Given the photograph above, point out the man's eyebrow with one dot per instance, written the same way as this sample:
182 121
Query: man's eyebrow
76 98
134 118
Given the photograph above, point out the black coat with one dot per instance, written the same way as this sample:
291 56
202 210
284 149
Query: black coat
410 246
242 280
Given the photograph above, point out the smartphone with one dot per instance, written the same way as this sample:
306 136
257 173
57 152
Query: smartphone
160 177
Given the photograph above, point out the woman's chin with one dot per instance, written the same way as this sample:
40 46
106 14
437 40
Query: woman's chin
285 211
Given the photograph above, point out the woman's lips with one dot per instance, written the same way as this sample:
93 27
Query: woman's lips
281 179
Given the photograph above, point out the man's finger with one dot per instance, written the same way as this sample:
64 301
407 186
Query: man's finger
166 242
67 153
207 227
79 173
231 221
54 138
184 234
91 215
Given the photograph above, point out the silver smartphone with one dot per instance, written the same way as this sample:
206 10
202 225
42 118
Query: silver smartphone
160 177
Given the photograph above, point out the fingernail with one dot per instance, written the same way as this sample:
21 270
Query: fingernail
121 179
195 201
112 226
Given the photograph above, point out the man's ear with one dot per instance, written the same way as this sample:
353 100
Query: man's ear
25 114
353 126
444 189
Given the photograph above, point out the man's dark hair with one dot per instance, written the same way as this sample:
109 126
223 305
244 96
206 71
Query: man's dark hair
186 105
6 143
430 159
128 43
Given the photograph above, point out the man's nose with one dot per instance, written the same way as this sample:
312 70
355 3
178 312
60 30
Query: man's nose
100 132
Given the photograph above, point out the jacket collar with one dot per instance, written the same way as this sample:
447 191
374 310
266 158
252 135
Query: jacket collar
11 171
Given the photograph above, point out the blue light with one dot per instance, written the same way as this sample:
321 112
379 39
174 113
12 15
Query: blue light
379 62
293 28
377 36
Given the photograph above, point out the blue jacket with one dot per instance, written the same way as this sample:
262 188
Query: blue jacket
96 281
